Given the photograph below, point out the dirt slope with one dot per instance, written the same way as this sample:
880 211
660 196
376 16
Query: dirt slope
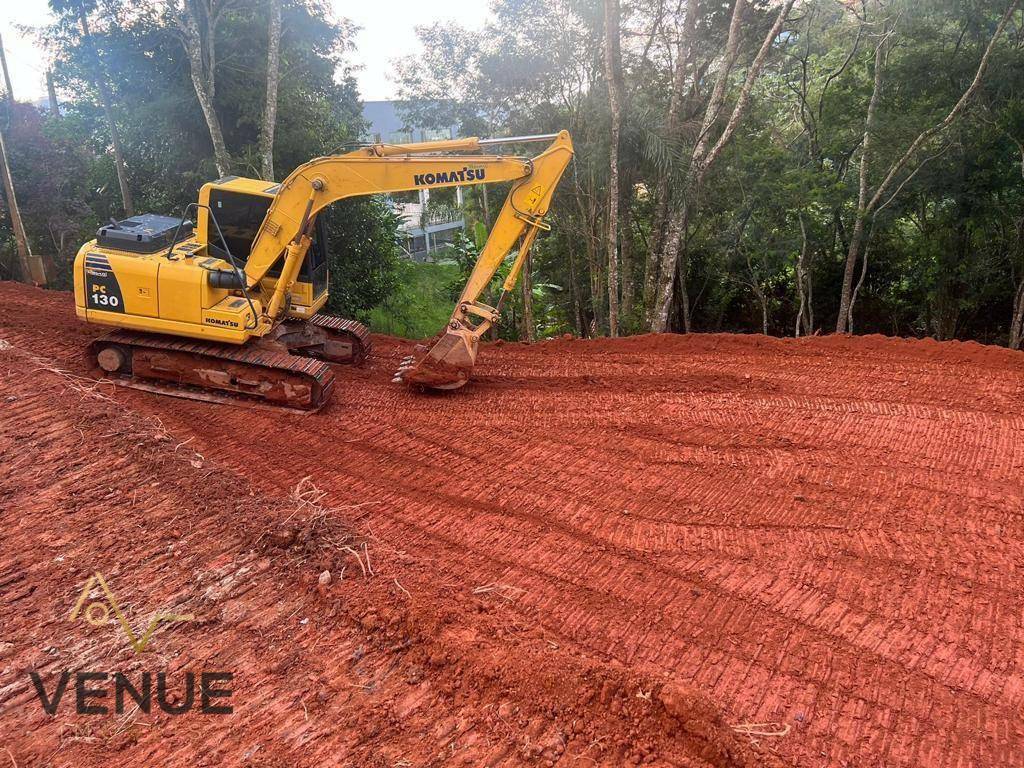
610 550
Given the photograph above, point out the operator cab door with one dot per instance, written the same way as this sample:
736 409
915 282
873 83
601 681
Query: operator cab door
240 216
316 259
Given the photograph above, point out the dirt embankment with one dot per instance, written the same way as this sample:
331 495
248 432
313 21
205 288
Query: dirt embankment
599 552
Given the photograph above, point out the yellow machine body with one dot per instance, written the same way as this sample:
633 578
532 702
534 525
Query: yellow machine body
155 292
168 291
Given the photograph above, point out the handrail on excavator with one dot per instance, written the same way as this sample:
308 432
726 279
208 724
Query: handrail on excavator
470 143
517 139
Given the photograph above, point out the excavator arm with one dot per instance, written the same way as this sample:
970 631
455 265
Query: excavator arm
383 168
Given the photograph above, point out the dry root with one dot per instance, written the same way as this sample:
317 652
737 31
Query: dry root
85 386
314 529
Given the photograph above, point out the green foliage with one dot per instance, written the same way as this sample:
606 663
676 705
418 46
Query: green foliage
464 253
365 255
944 256
59 186
64 168
421 302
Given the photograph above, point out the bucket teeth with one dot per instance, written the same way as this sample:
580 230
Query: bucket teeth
407 364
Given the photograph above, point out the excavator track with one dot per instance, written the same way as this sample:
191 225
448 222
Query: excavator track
213 372
345 330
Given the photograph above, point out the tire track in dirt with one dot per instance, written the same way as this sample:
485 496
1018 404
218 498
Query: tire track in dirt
825 532
862 633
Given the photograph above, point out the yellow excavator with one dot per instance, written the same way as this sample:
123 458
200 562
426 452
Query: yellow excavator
230 306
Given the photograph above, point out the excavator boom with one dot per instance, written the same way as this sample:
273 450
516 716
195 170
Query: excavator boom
383 168
449 362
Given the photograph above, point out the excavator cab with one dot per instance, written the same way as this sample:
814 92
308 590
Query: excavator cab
240 205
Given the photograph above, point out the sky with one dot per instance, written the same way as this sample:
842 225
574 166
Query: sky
388 32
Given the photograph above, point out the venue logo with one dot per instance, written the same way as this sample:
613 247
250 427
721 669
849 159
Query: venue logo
97 613
98 607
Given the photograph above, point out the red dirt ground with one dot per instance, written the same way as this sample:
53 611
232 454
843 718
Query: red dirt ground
597 553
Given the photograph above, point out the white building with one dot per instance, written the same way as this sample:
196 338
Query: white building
429 220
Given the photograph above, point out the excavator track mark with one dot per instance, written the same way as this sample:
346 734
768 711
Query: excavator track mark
214 372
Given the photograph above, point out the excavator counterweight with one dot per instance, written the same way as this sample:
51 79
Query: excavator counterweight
224 311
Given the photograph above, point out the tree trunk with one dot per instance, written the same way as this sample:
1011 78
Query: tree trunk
662 190
273 76
594 269
853 253
16 223
872 205
9 89
703 158
51 92
626 264
743 101
487 206
678 220
763 299
674 234
843 321
527 331
115 141
613 76
108 114
682 293
210 67
810 304
717 100
20 237
653 260
1017 320
803 325
574 292
860 280
203 82
589 218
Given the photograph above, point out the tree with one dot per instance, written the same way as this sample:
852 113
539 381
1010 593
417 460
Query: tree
868 206
70 12
167 138
703 157
5 170
8 88
15 212
613 76
197 22
270 108
662 194
362 237
748 141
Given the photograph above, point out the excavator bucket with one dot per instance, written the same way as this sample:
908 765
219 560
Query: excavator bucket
447 364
